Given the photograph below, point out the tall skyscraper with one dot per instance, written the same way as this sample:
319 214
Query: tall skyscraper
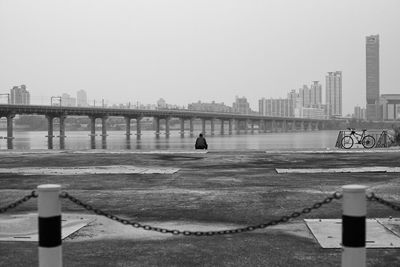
81 98
334 93
316 94
241 105
372 77
19 95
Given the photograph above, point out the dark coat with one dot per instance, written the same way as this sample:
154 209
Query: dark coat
201 143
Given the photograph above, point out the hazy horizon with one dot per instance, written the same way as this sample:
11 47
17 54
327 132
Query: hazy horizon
186 51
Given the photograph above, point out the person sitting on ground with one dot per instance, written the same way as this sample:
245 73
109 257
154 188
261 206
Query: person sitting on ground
201 142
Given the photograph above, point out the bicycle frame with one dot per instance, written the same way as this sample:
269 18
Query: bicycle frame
359 137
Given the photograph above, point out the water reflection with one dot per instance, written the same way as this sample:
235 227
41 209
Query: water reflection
104 142
62 143
50 142
117 140
10 144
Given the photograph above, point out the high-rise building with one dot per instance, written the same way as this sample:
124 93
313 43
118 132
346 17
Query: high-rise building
359 113
20 96
68 101
315 94
372 77
241 106
274 107
334 93
81 98
210 107
304 94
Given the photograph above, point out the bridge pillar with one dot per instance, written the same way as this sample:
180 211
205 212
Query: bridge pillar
167 126
203 126
128 127
284 126
138 127
191 128
50 129
265 126
222 127
231 121
309 128
302 126
273 126
212 126
104 126
10 118
182 127
62 126
246 126
261 126
92 126
316 126
157 121
237 125
293 126
252 126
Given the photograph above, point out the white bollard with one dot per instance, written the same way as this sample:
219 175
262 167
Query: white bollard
354 226
49 206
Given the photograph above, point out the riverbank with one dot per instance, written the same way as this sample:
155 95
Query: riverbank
215 189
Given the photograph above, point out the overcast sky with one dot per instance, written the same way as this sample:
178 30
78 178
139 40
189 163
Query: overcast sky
185 51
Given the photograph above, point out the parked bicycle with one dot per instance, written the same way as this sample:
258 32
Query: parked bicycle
347 142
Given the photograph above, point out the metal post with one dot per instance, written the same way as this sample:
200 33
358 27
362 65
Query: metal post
49 207
354 226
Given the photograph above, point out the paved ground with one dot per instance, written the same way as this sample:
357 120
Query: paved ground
216 189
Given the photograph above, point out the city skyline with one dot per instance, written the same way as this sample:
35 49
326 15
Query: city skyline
185 52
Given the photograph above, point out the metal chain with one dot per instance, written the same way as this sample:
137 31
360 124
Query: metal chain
15 204
373 197
283 219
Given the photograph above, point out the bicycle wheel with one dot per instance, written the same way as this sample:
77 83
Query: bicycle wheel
368 141
347 142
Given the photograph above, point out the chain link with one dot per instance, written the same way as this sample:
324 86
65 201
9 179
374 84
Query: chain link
373 197
15 204
283 219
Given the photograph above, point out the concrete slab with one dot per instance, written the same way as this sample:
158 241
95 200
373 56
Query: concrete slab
381 232
112 169
341 170
25 227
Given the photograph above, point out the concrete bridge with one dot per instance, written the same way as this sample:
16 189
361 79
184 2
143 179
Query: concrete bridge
235 121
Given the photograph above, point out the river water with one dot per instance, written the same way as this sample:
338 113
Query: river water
116 140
